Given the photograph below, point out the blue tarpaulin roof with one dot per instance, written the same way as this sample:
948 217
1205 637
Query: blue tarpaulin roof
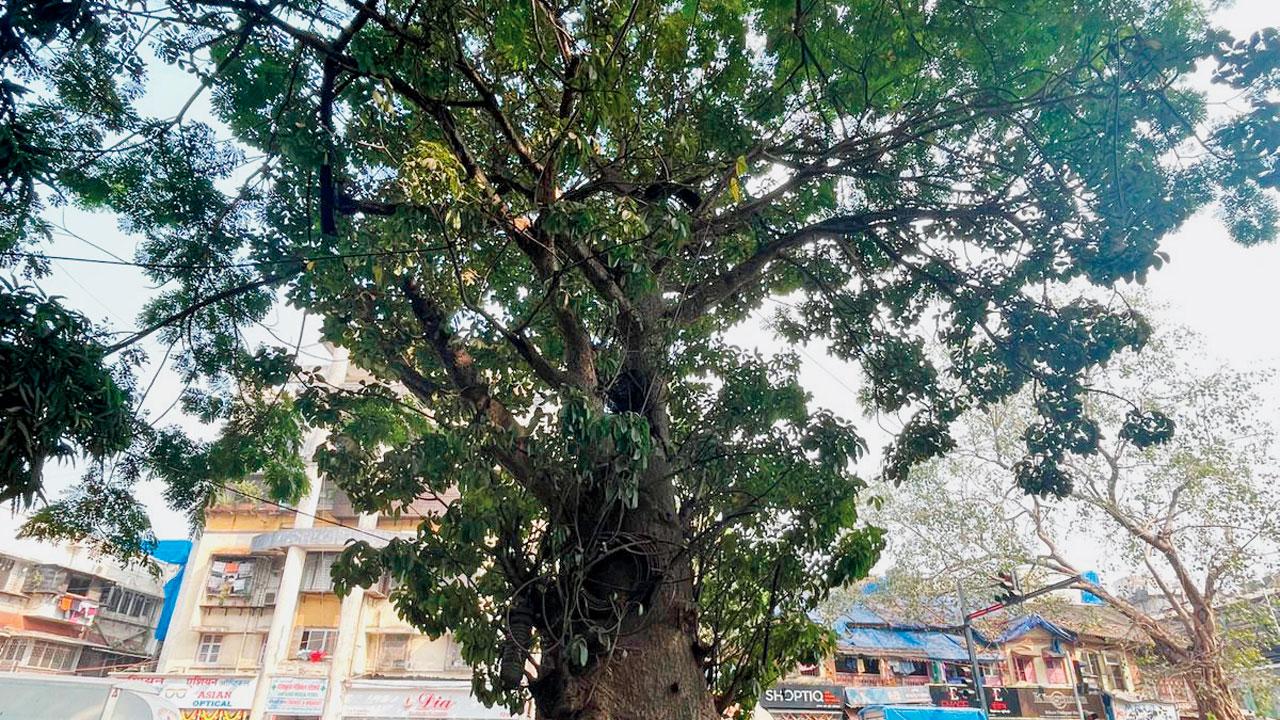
918 712
930 644
860 615
1028 623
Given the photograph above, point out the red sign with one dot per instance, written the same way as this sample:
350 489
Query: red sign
427 700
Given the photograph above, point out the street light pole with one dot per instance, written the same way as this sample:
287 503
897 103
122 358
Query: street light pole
975 669
969 617
978 684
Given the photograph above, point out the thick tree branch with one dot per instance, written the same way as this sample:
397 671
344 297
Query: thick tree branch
196 307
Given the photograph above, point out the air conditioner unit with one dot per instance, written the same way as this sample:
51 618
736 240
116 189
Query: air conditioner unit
268 598
400 664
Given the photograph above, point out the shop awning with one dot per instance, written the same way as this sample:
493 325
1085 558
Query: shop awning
897 712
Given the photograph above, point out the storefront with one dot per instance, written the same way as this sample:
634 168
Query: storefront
1023 702
386 699
804 702
1058 703
201 697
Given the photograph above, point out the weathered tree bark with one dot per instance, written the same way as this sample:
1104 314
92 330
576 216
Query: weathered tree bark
1214 700
652 672
652 675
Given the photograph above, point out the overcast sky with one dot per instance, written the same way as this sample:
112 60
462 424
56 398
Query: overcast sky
1226 293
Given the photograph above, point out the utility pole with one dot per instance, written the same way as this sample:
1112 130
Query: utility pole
1075 685
1013 596
975 669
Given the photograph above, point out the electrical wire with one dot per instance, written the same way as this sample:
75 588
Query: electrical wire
223 266
282 506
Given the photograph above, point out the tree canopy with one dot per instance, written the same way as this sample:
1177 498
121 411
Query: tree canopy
1192 522
534 224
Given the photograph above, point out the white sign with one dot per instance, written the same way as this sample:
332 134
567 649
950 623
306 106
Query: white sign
888 695
417 700
1145 710
296 695
202 692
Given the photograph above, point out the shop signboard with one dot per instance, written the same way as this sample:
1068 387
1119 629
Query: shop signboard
197 692
1001 701
390 699
1058 703
803 697
896 695
1143 710
296 695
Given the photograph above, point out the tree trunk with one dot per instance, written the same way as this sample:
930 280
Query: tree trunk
1214 699
653 675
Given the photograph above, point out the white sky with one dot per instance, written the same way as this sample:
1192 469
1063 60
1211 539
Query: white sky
1226 293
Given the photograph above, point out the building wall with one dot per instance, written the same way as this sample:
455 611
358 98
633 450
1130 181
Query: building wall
64 610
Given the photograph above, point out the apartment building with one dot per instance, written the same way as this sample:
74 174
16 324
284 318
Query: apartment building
259 634
65 610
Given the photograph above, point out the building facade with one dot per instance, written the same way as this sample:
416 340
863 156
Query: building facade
65 611
1033 669
258 632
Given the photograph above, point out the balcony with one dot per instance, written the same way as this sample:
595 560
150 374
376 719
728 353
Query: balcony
66 608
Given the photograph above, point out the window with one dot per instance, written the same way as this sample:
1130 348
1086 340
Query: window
317 573
909 668
6 568
393 652
12 650
78 584
1115 671
858 664
127 602
209 649
231 577
317 642
1055 669
327 497
51 656
1024 669
1091 670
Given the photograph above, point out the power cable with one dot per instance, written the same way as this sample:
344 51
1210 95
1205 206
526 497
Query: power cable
223 266
282 506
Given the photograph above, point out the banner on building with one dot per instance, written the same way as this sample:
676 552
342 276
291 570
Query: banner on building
1001 701
901 695
1143 710
214 714
392 699
296 695
204 693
